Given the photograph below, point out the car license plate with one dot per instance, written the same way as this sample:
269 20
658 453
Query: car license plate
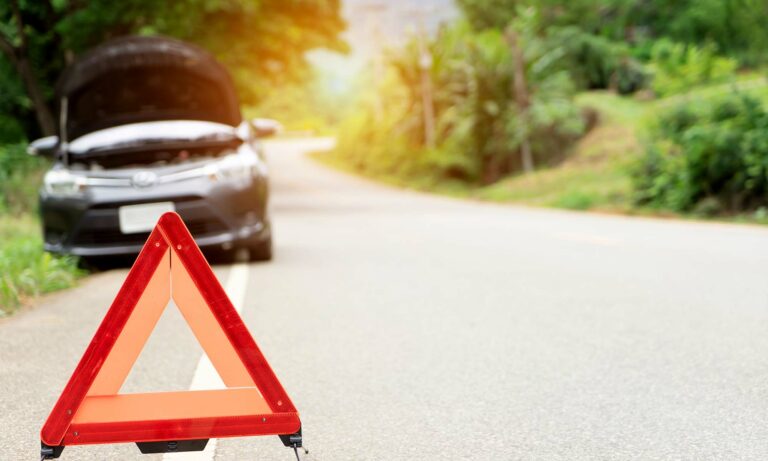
142 218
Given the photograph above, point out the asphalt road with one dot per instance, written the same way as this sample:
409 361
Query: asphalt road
410 327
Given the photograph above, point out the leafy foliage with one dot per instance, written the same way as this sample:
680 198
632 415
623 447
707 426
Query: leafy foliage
13 106
677 67
477 118
19 179
261 41
709 158
25 269
737 27
597 62
605 38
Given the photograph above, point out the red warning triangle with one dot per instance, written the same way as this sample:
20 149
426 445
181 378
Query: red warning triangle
91 411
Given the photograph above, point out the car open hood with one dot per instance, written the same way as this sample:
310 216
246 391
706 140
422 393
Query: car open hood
142 79
148 134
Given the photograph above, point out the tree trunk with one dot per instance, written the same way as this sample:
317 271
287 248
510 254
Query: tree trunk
427 102
522 99
20 60
42 111
525 149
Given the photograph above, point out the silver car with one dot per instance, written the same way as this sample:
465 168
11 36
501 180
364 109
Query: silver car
149 125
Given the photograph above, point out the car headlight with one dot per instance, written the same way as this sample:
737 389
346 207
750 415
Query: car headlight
231 167
63 183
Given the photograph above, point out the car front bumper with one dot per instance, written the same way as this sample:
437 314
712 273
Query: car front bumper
220 241
223 217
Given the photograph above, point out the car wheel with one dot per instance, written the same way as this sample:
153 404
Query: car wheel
262 250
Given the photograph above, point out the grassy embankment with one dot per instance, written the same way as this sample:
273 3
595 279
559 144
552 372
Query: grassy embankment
25 269
596 176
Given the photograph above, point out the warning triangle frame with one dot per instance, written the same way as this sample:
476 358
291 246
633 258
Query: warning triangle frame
91 411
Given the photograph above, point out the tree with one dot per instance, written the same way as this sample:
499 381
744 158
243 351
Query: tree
16 48
738 27
522 98
486 14
499 109
591 15
261 41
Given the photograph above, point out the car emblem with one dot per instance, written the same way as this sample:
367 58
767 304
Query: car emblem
144 179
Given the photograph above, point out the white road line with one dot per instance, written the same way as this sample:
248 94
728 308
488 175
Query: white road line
206 376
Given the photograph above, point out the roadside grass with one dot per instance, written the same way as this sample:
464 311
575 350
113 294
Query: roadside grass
605 187
26 270
753 83
596 175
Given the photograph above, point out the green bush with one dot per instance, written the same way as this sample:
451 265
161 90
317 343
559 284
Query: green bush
677 67
374 147
710 158
20 176
596 62
479 125
25 269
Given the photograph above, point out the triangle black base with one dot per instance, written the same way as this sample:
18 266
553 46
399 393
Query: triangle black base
48 452
292 440
172 446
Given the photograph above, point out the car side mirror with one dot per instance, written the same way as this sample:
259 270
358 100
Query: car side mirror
44 147
266 127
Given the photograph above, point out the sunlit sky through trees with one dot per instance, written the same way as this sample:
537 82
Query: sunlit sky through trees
374 25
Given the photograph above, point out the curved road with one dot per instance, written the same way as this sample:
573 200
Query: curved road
407 327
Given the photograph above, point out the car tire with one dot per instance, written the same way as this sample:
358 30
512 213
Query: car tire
261 250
